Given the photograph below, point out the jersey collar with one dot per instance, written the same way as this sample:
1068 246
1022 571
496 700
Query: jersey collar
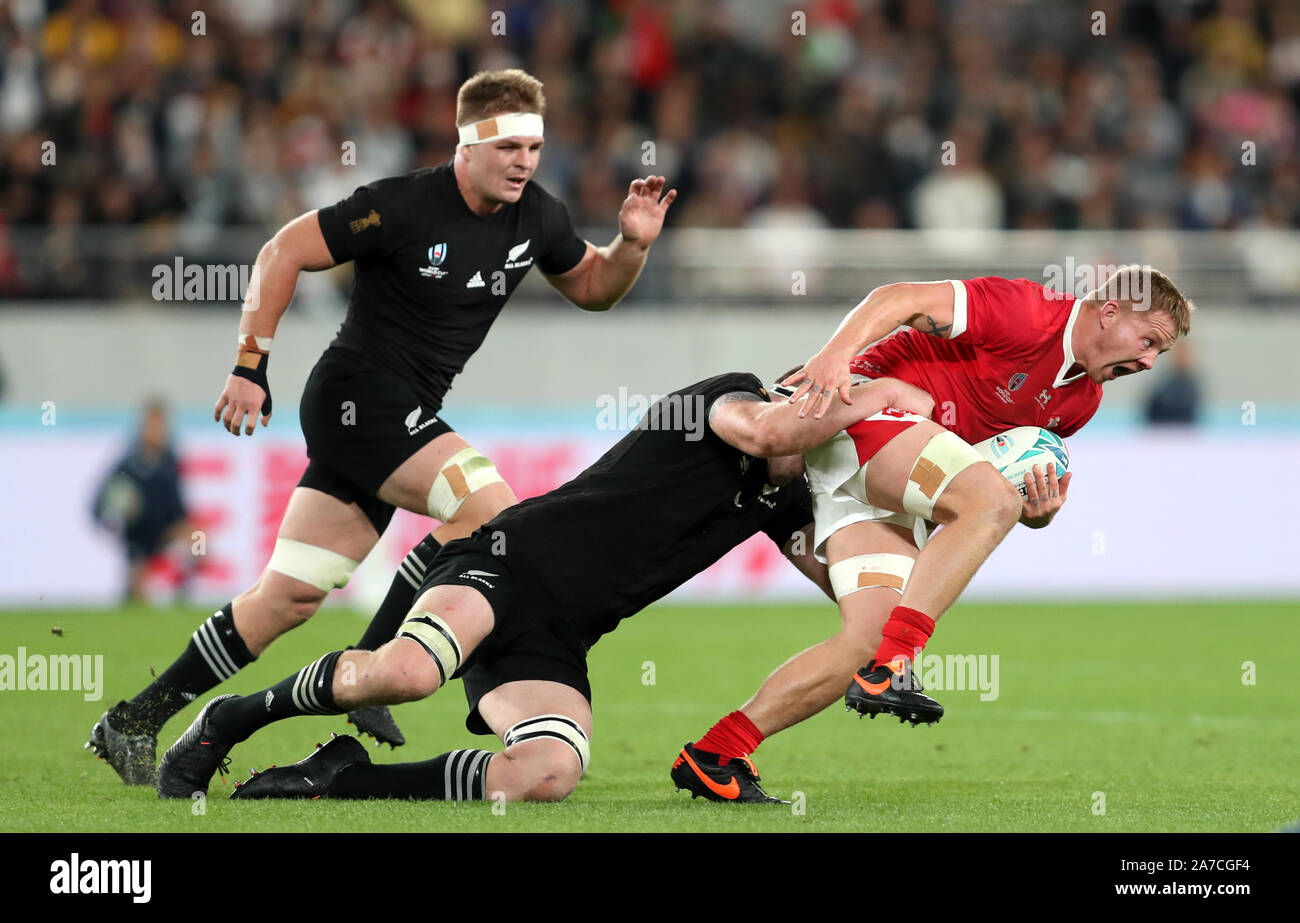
1068 349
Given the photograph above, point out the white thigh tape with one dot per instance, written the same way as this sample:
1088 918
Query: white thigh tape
943 458
465 472
557 727
324 569
437 639
870 570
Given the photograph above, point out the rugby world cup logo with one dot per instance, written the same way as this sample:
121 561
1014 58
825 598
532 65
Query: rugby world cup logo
1016 380
437 254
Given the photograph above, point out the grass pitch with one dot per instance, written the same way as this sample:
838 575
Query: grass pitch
1137 709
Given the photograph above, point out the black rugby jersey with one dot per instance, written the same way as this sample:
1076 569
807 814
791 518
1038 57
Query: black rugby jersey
668 500
432 276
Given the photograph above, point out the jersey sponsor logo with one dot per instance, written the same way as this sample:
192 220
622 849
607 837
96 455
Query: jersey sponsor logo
474 575
360 224
413 424
1016 380
437 256
270 697
512 256
476 281
1043 398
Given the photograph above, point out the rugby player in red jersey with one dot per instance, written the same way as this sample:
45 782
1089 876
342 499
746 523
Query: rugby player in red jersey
994 354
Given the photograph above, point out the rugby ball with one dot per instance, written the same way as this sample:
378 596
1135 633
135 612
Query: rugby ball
1016 451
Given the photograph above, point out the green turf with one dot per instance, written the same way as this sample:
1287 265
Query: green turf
1144 703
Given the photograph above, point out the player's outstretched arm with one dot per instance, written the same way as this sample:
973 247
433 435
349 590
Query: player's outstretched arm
604 274
772 429
297 246
927 306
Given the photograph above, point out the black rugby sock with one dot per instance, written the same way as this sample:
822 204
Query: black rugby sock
215 653
310 691
401 595
460 775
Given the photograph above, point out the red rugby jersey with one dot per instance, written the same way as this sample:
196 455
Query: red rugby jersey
1005 364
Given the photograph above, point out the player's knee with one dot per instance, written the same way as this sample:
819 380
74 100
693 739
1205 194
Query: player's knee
435 654
548 770
404 672
987 496
288 602
549 754
298 577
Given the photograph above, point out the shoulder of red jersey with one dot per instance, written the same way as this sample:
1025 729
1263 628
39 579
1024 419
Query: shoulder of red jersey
1007 315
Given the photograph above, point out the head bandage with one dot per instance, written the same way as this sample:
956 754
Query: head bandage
507 125
556 727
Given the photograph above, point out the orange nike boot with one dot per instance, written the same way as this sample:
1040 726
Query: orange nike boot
736 780
891 689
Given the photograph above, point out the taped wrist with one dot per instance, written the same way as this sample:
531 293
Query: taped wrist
254 354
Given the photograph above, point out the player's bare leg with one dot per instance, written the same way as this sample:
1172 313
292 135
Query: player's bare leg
549 763
815 678
448 480
446 624
279 602
976 507
321 539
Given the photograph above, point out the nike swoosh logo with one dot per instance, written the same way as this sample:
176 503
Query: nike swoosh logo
872 688
730 791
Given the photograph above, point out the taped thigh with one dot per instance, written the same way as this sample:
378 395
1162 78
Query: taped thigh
557 727
944 457
863 571
464 473
438 640
324 569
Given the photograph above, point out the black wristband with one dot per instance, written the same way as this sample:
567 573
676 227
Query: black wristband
257 376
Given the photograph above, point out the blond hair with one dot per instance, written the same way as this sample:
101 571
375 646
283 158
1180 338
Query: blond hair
1141 288
490 93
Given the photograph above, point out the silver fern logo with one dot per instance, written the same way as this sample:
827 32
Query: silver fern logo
413 424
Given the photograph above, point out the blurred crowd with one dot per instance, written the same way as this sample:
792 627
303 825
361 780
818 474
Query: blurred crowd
839 113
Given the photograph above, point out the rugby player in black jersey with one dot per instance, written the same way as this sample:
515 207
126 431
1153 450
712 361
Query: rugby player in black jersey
437 253
514 608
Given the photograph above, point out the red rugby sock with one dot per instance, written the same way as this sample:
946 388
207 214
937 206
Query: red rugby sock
906 631
733 736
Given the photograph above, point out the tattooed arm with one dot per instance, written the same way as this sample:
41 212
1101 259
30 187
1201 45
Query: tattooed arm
927 306
773 429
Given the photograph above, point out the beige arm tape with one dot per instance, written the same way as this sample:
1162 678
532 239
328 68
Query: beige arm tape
944 457
324 569
464 473
870 570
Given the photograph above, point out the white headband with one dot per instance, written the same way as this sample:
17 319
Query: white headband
507 125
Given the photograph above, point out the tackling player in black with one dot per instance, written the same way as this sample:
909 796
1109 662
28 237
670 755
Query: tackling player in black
514 608
437 253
